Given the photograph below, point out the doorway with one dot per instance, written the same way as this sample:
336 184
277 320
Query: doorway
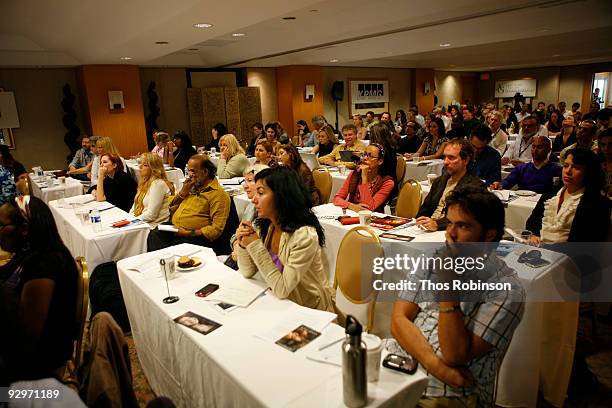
600 91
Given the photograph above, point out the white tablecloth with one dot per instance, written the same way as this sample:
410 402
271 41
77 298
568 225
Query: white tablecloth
72 188
517 210
419 171
174 174
98 247
542 348
230 367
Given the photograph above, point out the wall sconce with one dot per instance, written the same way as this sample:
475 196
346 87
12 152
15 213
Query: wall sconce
309 94
115 100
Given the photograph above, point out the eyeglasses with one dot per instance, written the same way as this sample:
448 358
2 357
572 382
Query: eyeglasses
370 156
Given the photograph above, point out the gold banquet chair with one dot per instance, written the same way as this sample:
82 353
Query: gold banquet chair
353 276
400 170
69 371
409 199
323 181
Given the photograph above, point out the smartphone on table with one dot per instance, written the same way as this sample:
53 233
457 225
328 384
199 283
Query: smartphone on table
207 290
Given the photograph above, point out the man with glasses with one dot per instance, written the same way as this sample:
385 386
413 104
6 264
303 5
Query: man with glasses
585 135
520 151
499 138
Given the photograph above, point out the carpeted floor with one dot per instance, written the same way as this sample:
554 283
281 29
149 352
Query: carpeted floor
599 359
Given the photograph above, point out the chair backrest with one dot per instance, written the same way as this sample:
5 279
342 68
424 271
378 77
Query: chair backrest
323 181
409 199
353 276
81 307
400 169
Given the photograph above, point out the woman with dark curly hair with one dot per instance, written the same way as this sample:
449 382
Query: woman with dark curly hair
290 157
367 188
184 149
284 243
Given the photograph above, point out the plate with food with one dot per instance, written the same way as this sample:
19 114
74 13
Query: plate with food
524 193
187 264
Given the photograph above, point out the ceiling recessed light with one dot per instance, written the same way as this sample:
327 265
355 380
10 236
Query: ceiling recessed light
333 60
202 25
288 18
125 58
161 42
238 34
445 45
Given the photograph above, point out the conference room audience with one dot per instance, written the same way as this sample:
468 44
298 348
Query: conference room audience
349 133
576 112
264 153
281 135
284 243
290 157
457 130
499 138
409 143
272 138
486 163
217 131
184 150
524 112
461 344
202 212
43 275
520 151
434 142
250 212
362 131
510 122
164 148
567 136
151 200
578 212
603 119
592 113
327 142
604 142
257 129
555 123
367 187
585 139
303 132
457 156
538 175
232 160
81 160
114 184
469 121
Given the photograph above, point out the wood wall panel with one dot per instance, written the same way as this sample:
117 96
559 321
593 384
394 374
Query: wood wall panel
196 114
419 77
214 110
291 84
232 112
250 109
126 127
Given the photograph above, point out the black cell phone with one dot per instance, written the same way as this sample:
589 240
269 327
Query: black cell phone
403 364
207 290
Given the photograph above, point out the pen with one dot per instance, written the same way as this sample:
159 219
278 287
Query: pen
331 344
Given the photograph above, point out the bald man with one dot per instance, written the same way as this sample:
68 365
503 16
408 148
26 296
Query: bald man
538 175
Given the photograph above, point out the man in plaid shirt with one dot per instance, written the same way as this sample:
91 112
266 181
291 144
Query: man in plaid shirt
460 338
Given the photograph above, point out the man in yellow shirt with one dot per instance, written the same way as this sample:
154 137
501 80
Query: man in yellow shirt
203 213
349 133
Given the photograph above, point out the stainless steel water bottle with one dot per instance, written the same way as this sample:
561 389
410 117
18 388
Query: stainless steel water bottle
354 381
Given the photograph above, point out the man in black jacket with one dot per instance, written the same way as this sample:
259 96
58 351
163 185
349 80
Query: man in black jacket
457 156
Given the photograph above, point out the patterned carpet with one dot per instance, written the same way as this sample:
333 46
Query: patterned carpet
142 389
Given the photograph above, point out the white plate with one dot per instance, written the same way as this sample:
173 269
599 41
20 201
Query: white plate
524 193
191 268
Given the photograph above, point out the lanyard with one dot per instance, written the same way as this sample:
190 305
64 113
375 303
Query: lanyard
521 150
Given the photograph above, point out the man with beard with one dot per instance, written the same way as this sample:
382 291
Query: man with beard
520 151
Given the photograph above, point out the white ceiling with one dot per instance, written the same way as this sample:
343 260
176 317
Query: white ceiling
483 34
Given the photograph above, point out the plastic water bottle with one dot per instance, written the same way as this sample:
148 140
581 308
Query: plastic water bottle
96 220
354 384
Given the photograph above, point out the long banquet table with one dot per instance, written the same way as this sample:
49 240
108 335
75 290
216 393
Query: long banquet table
42 190
542 349
230 366
98 247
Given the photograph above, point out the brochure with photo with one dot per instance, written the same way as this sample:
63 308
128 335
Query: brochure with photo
197 323
298 338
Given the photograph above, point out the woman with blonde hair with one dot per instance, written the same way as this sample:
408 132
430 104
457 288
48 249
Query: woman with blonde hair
327 142
104 145
151 201
362 131
233 161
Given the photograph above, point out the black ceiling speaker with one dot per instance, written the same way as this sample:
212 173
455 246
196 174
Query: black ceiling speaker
338 90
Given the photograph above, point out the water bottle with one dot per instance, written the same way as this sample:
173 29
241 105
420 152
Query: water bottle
96 220
354 381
